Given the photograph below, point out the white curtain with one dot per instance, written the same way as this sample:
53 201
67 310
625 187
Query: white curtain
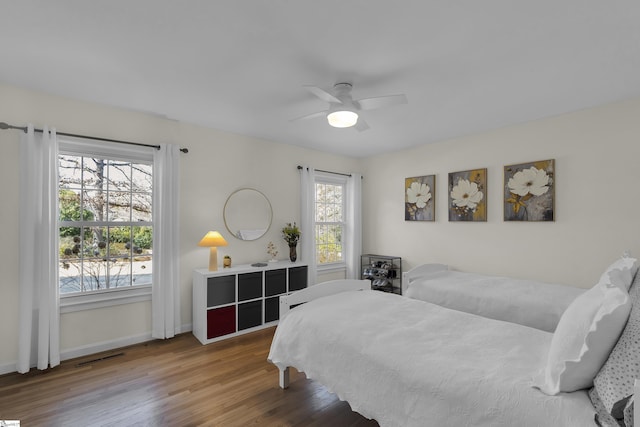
354 226
307 221
39 311
165 301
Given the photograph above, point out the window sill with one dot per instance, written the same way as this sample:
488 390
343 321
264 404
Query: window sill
73 303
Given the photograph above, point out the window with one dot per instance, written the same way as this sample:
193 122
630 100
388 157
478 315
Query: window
105 201
329 220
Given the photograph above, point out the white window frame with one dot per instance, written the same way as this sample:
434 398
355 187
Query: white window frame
107 298
333 179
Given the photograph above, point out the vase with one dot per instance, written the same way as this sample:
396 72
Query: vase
293 255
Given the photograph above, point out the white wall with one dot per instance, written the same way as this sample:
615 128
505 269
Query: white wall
597 204
217 164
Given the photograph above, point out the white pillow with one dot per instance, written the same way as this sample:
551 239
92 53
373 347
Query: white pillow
586 334
623 269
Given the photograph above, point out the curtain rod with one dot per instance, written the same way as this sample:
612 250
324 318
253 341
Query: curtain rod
335 173
4 126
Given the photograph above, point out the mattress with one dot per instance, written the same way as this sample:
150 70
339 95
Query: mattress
526 302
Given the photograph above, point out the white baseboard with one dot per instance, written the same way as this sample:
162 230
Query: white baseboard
111 345
89 349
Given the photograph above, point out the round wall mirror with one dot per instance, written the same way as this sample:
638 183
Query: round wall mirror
247 214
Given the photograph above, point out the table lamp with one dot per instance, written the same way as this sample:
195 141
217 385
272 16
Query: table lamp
213 239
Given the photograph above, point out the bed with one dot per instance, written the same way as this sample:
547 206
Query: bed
407 362
527 302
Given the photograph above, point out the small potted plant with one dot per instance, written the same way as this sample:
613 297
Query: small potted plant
291 235
271 250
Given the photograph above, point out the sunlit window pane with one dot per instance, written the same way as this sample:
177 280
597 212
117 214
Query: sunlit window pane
70 168
105 213
93 174
141 178
119 272
119 206
94 202
329 214
141 207
94 274
119 175
142 267
120 241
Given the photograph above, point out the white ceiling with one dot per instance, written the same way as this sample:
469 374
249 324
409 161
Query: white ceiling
239 65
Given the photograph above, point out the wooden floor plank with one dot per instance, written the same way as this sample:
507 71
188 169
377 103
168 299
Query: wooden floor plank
176 382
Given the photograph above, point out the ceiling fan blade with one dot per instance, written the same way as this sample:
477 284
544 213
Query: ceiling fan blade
381 101
322 94
310 116
361 125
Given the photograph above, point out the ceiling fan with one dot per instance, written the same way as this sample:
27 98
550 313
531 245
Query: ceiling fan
343 109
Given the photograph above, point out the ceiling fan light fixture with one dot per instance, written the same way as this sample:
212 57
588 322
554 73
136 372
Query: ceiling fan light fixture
342 118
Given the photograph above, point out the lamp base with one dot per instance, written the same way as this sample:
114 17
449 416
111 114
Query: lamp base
213 259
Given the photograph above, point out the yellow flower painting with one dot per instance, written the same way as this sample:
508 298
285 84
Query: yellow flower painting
467 195
529 191
419 198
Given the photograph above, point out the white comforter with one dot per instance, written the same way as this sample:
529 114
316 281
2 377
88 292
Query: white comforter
527 302
409 363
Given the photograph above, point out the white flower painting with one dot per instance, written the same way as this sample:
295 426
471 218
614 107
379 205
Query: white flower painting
529 191
467 201
529 181
419 200
419 194
466 195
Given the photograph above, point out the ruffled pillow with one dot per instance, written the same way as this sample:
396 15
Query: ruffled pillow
620 273
585 335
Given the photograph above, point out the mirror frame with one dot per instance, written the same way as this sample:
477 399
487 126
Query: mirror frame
224 213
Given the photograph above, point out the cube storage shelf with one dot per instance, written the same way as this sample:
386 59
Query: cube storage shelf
237 300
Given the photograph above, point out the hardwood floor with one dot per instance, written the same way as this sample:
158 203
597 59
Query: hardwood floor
176 382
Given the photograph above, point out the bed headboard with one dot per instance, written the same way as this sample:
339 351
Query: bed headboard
321 290
420 271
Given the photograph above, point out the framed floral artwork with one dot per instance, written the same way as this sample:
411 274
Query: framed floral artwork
529 191
468 195
419 198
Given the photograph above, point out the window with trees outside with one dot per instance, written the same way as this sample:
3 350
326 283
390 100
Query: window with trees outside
105 222
330 220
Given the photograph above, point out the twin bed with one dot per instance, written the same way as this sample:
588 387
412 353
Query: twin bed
461 350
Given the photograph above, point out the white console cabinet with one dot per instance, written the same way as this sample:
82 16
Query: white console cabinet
241 299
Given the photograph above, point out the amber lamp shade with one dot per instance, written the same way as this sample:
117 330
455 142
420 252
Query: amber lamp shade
212 240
